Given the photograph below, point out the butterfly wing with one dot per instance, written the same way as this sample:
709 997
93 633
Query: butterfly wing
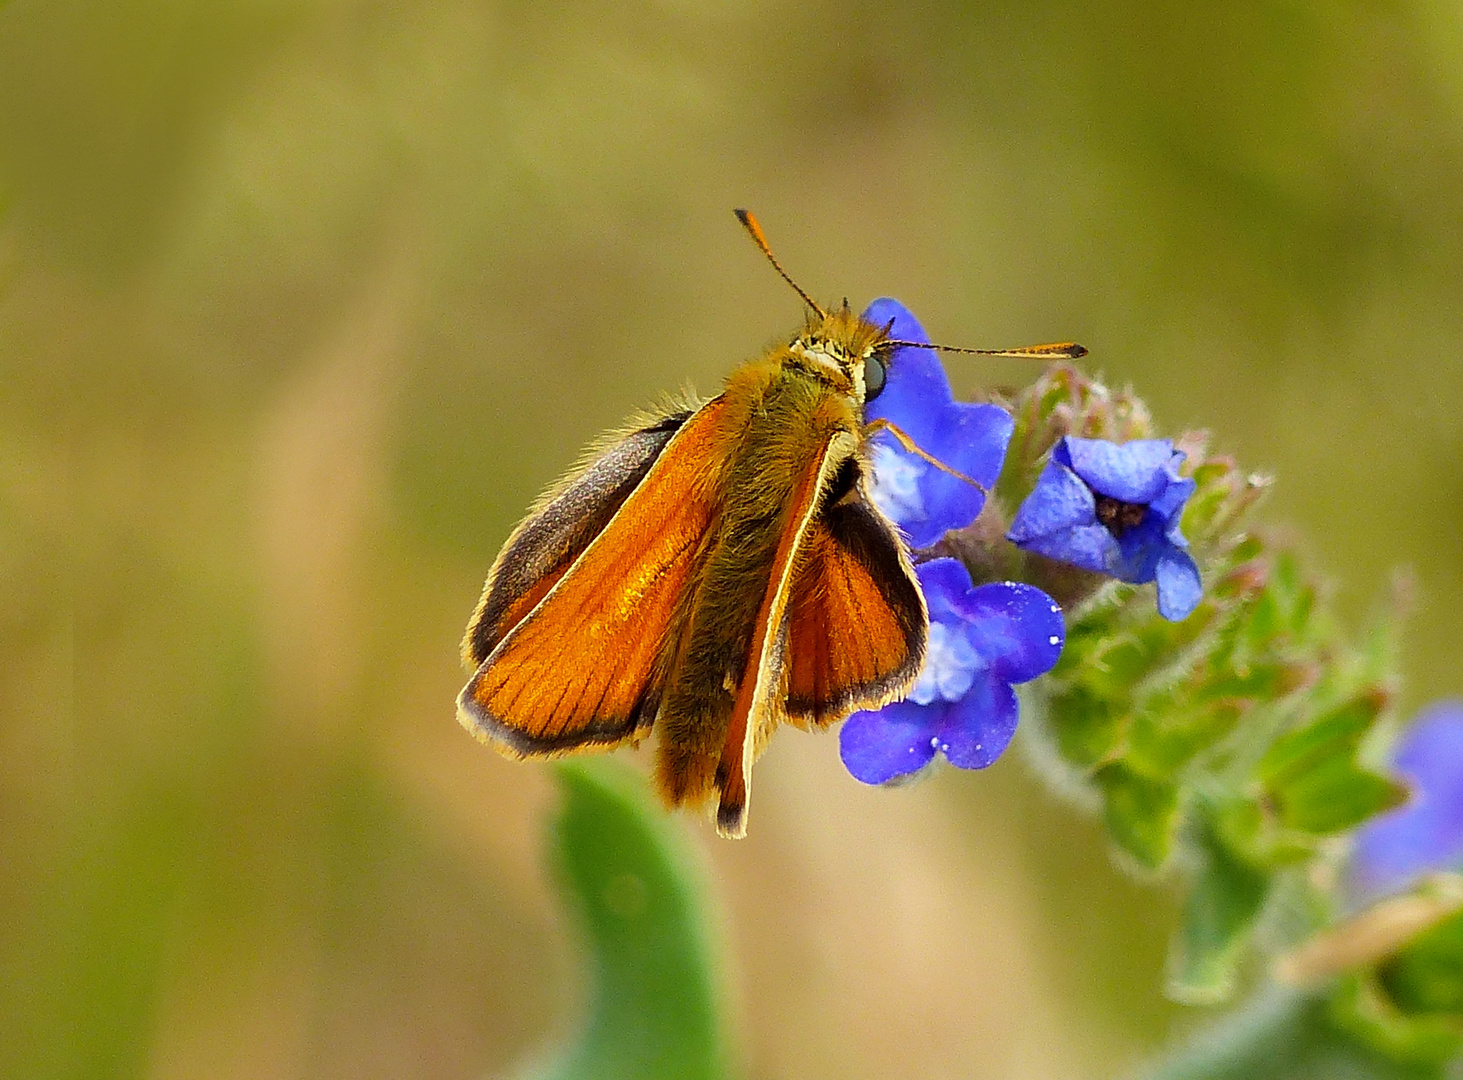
856 625
572 654
560 526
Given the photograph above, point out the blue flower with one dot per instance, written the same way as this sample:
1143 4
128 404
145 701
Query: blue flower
981 641
1392 851
924 501
1115 510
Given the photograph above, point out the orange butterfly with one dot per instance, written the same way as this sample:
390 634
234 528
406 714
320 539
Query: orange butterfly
712 572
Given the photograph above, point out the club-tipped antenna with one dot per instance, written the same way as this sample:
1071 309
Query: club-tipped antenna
1058 350
755 232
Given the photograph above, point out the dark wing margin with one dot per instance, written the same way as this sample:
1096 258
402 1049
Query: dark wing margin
559 528
856 624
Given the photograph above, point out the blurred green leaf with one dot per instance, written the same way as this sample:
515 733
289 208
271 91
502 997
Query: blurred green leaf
1087 728
652 1004
1218 916
1312 774
1167 734
1425 1040
1142 813
1427 976
1337 732
1284 1036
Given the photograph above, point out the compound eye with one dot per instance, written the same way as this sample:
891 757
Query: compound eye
875 374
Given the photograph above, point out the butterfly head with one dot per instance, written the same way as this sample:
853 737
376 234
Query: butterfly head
840 348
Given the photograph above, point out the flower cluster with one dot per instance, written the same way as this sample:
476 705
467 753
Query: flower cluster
1109 508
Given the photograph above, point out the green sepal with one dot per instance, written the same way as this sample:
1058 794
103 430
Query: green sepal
1247 826
1088 728
1337 732
1334 796
1169 732
1286 606
653 1009
1312 776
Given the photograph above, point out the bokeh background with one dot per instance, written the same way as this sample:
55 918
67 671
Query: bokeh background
302 301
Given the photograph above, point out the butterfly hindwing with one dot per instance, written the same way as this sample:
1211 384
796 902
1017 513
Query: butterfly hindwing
856 623
584 666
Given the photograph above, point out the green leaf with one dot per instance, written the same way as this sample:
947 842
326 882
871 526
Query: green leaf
1427 975
1251 832
1334 796
1167 733
1363 1007
1087 728
1219 914
653 1011
1142 813
1338 732
1283 1035
1312 775
1269 681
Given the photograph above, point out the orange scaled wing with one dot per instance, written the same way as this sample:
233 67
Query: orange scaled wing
584 667
559 527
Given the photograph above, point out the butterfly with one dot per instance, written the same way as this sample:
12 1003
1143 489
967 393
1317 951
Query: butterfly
712 572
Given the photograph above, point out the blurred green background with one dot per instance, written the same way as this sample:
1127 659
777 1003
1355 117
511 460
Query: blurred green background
302 301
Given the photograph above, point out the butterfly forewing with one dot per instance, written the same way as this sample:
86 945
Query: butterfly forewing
585 666
559 528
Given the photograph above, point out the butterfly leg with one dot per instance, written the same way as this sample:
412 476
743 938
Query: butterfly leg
876 426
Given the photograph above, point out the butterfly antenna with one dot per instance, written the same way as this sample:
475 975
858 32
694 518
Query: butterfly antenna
1061 350
755 231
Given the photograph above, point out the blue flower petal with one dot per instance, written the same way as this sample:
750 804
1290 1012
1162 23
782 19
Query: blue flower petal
944 583
1133 472
977 729
1091 547
896 740
924 501
950 666
1394 850
1017 629
920 385
981 641
1179 587
1168 505
1139 550
970 439
1059 501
